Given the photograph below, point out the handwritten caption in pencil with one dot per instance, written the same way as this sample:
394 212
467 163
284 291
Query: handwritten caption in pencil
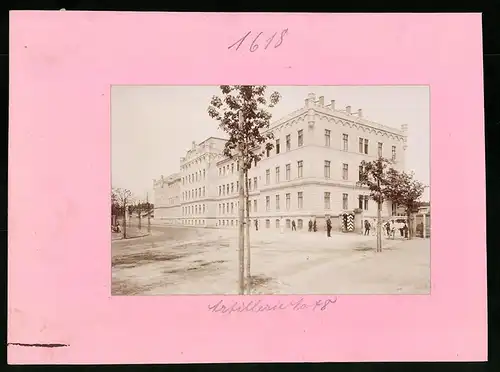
260 41
260 306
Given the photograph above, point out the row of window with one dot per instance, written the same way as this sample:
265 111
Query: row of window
230 188
193 222
194 193
288 171
229 169
193 209
288 223
194 177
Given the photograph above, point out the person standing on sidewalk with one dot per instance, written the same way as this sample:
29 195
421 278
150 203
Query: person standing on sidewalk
294 227
328 227
367 227
310 225
315 228
256 225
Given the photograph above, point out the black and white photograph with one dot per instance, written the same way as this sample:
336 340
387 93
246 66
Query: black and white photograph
273 190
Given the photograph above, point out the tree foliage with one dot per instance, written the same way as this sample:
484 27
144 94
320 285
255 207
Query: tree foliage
374 175
252 101
404 190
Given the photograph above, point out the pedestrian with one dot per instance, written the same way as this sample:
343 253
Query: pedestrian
310 225
393 229
328 227
315 228
405 230
294 227
367 227
256 225
388 228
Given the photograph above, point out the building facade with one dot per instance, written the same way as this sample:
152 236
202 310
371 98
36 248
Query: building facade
312 172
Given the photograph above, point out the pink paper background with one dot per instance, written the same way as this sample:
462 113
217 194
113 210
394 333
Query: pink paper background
62 66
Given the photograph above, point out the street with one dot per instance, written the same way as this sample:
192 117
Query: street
176 260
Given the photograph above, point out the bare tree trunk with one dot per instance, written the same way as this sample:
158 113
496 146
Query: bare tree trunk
247 234
140 224
149 214
125 220
409 224
379 227
241 242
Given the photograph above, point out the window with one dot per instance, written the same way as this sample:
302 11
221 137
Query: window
223 208
277 174
327 137
204 174
366 203
300 166
288 142
203 208
345 142
227 189
220 210
232 168
255 183
300 200
287 201
300 224
360 173
268 224
268 176
380 146
326 198
393 153
300 138
366 146
249 184
232 222
268 203
232 207
277 146
255 205
345 171
277 202
237 186
268 152
287 172
277 223
361 145
287 223
196 193
203 190
327 169
345 203
232 187
360 201
223 189
224 171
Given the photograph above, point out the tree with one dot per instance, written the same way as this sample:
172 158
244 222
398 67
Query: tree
123 198
405 191
242 112
374 175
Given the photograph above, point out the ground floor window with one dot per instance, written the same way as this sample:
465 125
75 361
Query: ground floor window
277 223
268 224
287 224
232 222
299 223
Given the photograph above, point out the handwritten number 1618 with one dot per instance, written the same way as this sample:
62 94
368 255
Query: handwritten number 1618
255 41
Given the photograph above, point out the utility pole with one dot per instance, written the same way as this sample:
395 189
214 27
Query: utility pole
241 242
149 213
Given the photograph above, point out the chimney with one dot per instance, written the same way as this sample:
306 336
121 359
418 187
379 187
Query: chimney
348 109
311 96
332 104
321 101
360 113
404 127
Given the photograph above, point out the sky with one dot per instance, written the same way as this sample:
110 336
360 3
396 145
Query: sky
153 126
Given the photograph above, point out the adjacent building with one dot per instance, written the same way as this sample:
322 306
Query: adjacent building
311 172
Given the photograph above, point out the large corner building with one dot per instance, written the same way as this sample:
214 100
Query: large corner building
310 173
